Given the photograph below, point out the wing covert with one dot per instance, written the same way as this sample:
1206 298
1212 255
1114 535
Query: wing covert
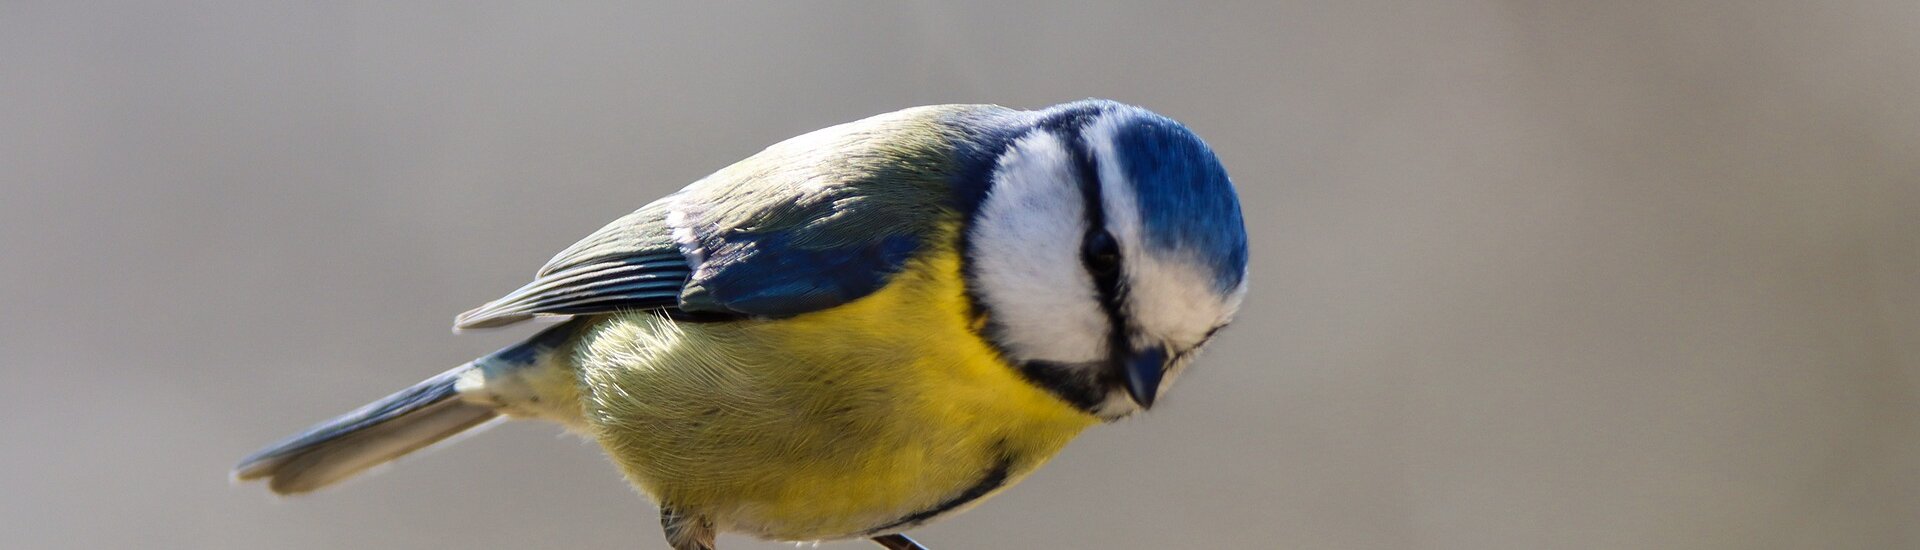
807 224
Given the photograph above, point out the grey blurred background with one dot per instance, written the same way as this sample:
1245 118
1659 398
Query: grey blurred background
1527 274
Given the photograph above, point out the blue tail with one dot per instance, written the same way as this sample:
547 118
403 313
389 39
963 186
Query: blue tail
369 436
414 418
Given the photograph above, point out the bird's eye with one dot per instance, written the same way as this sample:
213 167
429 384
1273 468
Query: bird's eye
1102 254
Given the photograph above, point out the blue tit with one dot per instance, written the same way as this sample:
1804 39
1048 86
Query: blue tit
855 332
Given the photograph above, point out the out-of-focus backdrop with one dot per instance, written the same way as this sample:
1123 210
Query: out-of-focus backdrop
1526 274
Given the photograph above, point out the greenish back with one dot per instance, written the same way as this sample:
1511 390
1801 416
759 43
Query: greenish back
807 224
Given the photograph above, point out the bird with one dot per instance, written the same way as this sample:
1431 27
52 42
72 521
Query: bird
854 332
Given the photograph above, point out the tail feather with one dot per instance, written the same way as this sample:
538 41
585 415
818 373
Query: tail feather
427 413
372 435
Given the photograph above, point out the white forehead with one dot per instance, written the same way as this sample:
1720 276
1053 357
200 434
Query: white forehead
1171 294
1026 256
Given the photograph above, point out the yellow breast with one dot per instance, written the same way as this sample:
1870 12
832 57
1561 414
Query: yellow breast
875 415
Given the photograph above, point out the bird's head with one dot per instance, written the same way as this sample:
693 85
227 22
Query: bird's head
1108 249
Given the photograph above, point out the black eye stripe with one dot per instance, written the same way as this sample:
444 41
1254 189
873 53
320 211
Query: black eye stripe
1099 252
1098 249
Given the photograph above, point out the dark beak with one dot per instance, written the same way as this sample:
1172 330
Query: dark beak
1144 369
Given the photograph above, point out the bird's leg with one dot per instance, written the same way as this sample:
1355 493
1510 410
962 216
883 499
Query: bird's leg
686 532
897 542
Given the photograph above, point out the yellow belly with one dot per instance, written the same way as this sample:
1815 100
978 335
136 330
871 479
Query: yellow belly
879 414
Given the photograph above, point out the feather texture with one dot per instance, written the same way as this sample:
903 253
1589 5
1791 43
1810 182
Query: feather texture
807 224
869 418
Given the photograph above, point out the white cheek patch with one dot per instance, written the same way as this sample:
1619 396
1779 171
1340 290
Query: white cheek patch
1026 256
1171 296
1173 300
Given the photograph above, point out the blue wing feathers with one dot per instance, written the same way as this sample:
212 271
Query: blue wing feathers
787 231
770 275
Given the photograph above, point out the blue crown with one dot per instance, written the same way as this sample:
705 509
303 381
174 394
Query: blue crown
1187 202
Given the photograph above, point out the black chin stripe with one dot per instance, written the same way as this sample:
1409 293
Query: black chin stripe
1062 381
1086 386
1083 387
